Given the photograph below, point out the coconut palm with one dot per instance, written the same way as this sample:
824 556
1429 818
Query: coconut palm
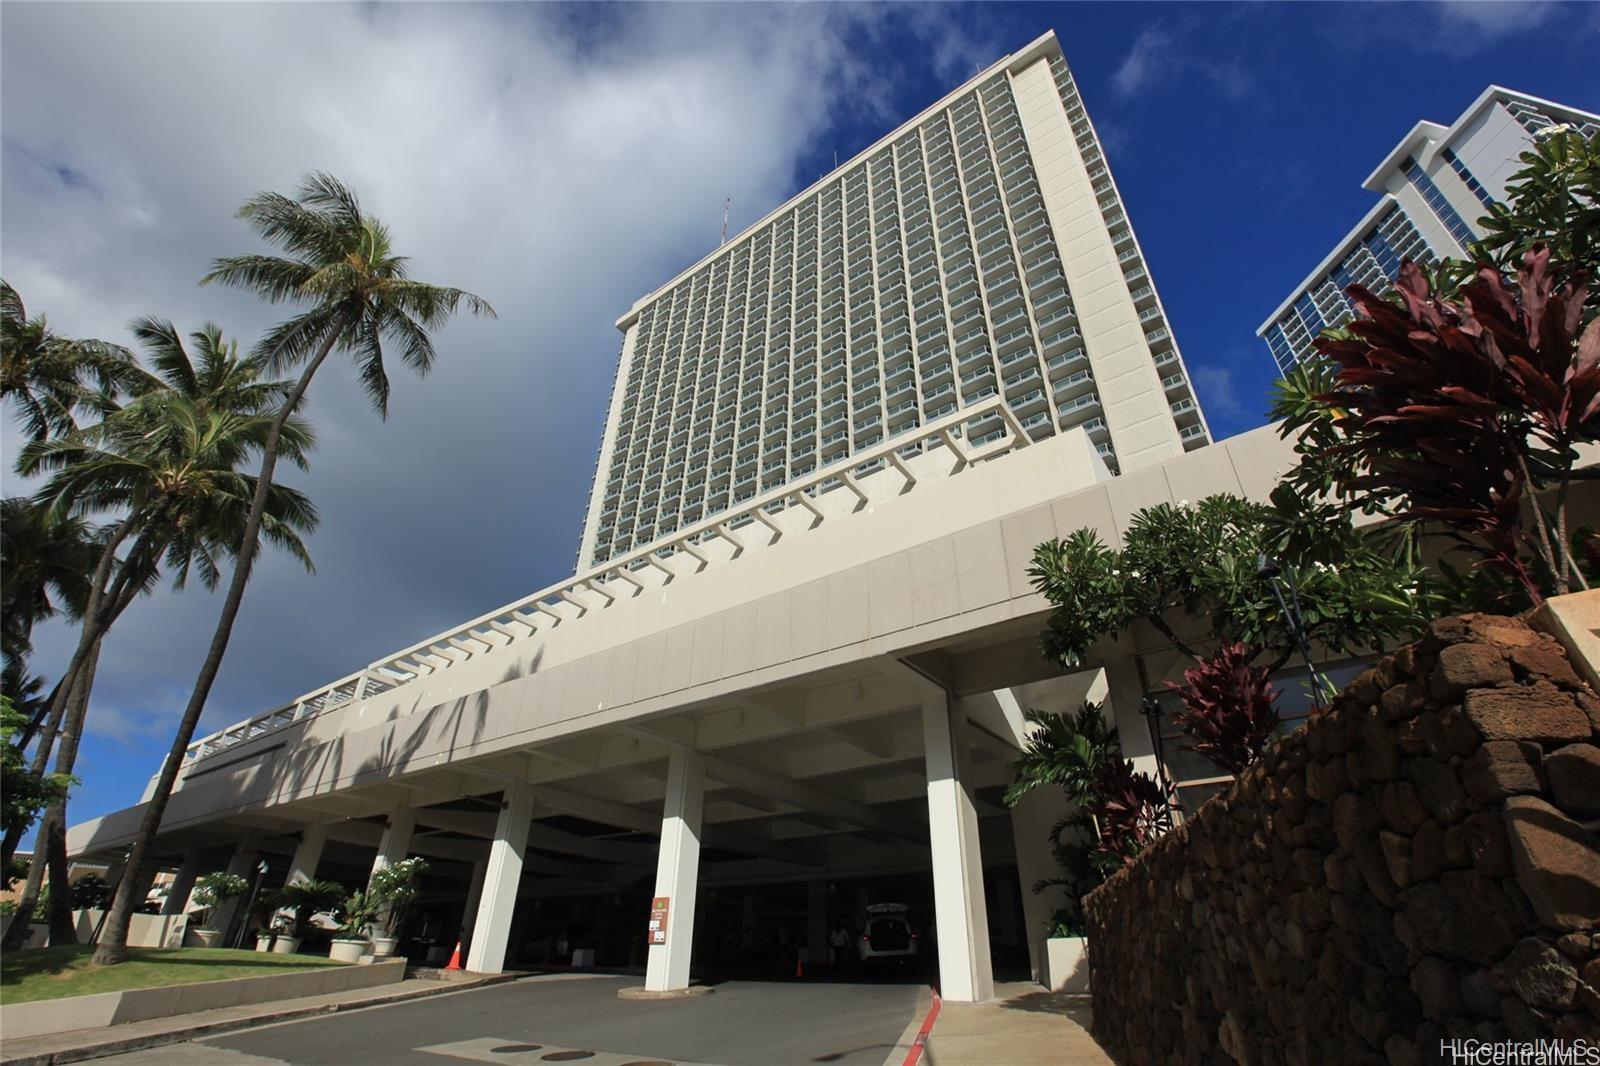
341 264
48 375
44 570
168 460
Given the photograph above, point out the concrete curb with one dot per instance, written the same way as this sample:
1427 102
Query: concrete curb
692 992
120 1045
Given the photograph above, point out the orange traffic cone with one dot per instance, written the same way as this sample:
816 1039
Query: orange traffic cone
455 957
799 967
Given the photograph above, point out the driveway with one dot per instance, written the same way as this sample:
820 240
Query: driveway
578 1018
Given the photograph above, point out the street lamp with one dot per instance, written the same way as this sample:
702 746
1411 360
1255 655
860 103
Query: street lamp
1150 707
255 890
1278 577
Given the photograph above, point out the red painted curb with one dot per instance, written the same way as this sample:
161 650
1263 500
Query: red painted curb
915 1054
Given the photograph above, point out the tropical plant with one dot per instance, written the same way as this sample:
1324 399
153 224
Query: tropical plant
1465 416
305 899
394 887
1069 752
1554 200
23 793
90 890
167 461
358 912
215 889
1130 808
45 563
1227 707
1202 562
341 262
51 377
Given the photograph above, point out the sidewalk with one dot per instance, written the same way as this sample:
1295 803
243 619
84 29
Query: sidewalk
81 1044
1022 1026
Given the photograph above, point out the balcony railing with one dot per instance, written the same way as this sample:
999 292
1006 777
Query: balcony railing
591 592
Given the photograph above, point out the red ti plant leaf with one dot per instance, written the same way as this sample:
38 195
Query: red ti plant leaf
1468 413
1228 710
1129 809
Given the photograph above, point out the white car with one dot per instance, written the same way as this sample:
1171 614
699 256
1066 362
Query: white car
886 934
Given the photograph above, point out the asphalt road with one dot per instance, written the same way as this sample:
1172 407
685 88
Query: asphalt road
555 1019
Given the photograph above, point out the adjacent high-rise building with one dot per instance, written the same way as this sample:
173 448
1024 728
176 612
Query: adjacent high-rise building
1434 187
980 250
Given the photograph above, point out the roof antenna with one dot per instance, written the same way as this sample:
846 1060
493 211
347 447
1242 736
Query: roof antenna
726 202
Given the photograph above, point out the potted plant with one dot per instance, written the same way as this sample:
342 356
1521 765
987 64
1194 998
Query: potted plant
211 892
262 913
359 910
393 888
302 900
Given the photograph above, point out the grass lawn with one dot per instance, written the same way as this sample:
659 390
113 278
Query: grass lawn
51 973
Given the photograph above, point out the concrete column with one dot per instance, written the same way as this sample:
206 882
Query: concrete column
182 885
965 973
1125 694
396 840
817 921
502 876
1031 822
469 913
678 870
243 864
307 854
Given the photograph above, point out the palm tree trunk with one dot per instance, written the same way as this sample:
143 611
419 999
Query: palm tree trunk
113 945
98 616
53 835
17 933
26 734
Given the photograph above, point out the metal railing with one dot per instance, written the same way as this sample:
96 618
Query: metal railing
598 588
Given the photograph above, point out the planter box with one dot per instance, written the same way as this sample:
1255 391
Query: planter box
202 938
18 1020
343 950
1067 964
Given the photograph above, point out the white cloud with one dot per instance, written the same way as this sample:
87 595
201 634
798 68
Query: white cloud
560 165
1219 392
1159 59
1490 20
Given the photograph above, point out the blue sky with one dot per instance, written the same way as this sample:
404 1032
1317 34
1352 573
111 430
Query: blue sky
564 160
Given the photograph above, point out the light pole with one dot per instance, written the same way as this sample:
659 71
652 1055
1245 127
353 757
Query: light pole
1268 567
1150 707
255 890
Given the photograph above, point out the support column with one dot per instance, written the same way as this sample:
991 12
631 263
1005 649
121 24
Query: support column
243 864
307 854
1032 820
182 885
817 921
502 877
1125 693
469 913
965 973
678 870
396 840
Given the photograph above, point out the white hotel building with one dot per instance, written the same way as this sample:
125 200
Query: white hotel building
980 250
788 677
1433 189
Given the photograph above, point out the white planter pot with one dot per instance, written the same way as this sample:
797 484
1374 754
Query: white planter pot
383 946
1067 964
264 943
203 938
342 950
286 945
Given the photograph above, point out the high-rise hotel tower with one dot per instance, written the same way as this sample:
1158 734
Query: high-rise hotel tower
981 250
1435 187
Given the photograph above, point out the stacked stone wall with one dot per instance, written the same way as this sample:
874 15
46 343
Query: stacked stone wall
1418 864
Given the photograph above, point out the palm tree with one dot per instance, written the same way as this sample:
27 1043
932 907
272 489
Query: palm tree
169 458
47 374
44 571
341 262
